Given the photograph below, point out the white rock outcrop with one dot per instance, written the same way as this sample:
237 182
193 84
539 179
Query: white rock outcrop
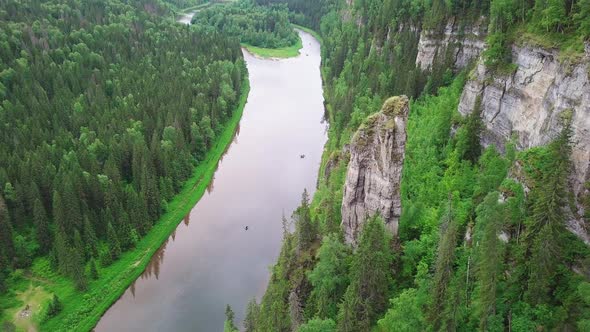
465 43
528 105
374 172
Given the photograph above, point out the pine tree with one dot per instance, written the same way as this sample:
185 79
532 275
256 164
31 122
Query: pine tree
329 278
42 232
489 258
71 205
547 227
90 239
55 307
61 251
443 267
304 226
252 312
6 239
367 296
113 242
78 245
59 215
229 325
93 271
77 270
473 127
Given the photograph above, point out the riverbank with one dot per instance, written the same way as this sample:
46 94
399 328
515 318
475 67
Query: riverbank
281 53
213 261
284 52
82 311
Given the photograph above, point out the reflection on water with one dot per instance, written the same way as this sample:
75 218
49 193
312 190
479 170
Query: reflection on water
211 260
186 18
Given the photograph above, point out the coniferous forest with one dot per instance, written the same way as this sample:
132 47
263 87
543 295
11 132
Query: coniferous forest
108 106
266 27
106 109
476 249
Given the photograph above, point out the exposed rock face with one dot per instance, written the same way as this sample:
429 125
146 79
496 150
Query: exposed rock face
464 44
529 105
374 172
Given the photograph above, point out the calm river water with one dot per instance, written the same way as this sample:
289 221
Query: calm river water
211 260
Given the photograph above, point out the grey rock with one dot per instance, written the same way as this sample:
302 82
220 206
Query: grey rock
372 184
528 105
467 44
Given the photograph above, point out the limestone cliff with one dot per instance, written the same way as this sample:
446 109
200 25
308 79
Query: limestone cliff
373 177
528 105
461 44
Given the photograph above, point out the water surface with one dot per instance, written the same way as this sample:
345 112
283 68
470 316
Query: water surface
186 18
211 260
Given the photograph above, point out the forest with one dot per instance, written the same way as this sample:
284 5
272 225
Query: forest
475 250
106 109
260 26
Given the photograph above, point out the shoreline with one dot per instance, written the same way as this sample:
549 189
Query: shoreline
83 310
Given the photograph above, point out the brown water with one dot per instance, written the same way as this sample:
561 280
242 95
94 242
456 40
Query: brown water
211 260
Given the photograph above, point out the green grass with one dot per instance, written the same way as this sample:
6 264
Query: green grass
83 310
36 298
570 45
283 52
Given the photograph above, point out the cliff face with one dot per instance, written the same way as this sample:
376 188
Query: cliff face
461 44
373 177
528 105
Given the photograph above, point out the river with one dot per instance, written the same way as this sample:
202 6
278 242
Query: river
211 260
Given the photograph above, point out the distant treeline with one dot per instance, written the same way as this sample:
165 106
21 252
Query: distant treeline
266 27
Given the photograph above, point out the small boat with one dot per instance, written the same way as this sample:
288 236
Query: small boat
302 156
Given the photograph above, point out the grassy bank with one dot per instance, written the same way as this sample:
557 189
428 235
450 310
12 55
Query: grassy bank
314 33
81 311
283 52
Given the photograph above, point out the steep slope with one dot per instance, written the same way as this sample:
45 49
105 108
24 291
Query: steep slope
493 179
461 43
529 105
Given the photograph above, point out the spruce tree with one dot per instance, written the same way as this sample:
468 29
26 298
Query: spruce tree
367 296
6 239
252 312
330 277
443 267
473 127
55 306
489 258
303 223
547 225
113 242
229 325
77 270
42 233
93 271
90 239
61 251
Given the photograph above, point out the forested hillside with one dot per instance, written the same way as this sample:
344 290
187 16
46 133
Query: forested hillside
106 109
259 26
482 242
